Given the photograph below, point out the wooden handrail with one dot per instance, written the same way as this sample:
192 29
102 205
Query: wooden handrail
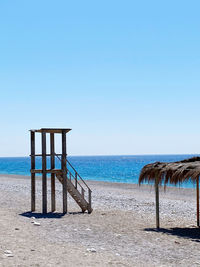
76 173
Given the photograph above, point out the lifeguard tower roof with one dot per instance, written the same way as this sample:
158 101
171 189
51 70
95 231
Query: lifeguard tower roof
51 130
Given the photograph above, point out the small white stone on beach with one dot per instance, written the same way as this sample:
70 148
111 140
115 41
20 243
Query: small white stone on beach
91 249
8 252
36 223
9 255
102 248
117 254
88 229
118 235
75 229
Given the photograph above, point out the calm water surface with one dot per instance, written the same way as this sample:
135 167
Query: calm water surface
122 169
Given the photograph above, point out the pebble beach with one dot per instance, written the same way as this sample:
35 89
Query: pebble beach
119 232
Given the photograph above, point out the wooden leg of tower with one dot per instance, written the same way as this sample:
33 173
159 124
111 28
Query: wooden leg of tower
64 171
32 192
32 174
44 175
53 196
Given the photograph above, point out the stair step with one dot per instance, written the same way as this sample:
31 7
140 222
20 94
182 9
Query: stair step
76 194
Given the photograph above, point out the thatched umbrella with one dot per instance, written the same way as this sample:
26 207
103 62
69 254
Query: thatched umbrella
172 173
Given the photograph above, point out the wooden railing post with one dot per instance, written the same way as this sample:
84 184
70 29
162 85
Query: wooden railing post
90 200
76 180
82 192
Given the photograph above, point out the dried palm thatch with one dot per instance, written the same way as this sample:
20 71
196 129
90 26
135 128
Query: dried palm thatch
172 172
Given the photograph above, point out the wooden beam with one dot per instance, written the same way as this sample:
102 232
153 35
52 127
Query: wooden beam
48 155
197 188
52 130
32 174
47 171
52 151
44 174
157 202
64 170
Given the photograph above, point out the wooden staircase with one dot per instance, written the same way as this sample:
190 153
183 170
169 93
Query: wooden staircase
77 188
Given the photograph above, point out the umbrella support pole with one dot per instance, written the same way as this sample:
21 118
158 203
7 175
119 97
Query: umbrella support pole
197 187
157 203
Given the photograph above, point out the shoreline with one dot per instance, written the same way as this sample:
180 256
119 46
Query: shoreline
18 176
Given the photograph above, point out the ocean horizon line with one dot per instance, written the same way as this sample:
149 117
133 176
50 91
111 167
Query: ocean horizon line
118 155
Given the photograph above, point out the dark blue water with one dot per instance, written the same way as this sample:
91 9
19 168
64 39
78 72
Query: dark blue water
122 169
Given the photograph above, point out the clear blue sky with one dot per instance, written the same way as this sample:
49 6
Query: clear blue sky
124 75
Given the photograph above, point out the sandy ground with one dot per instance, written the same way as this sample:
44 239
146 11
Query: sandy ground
120 230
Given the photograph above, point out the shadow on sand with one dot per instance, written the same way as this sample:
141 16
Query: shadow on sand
189 233
49 215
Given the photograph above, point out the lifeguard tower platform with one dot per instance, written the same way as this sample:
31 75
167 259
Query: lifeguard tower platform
71 181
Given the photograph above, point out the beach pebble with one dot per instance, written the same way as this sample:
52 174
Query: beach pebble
33 218
9 255
117 254
118 235
36 223
88 229
16 228
8 252
91 249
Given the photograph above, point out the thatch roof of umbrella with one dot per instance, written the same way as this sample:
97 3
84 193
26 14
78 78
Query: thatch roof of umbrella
173 173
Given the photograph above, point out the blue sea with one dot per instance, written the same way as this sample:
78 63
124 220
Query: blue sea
120 169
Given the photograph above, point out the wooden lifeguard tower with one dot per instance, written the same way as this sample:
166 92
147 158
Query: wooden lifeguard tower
71 181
